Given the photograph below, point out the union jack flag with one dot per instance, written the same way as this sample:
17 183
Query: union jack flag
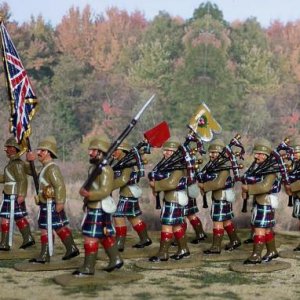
23 100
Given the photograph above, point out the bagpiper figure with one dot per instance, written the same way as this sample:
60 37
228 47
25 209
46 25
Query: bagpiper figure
51 199
263 214
222 196
13 207
128 206
99 206
175 198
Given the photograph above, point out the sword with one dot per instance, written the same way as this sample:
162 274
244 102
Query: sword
11 219
48 193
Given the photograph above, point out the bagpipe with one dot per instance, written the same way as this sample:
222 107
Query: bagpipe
227 160
275 163
201 127
294 175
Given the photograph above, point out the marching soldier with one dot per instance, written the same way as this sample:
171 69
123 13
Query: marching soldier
172 218
128 205
263 212
221 210
14 191
98 203
51 199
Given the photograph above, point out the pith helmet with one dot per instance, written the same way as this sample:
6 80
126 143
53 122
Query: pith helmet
216 145
13 143
125 146
262 145
296 145
101 144
171 145
49 143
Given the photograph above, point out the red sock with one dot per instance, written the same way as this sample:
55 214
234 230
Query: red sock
22 223
165 236
195 222
269 236
229 228
63 233
179 234
259 239
5 227
121 230
108 242
91 247
218 232
141 226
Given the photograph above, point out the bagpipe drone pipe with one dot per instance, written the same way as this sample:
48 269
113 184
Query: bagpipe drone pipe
275 163
227 160
294 175
184 158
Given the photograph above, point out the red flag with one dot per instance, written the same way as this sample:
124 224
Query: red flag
158 135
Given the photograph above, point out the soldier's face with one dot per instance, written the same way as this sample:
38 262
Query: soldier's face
167 153
213 155
43 155
10 151
95 155
260 157
297 156
117 154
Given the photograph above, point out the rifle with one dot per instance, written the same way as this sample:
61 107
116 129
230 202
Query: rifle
87 184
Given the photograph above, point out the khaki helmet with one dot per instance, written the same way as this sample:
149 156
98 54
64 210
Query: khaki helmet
296 145
101 144
13 143
49 143
125 146
262 145
216 145
171 145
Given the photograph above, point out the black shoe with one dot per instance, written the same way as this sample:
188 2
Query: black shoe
252 262
118 265
157 259
78 273
178 256
5 249
232 246
268 258
248 241
29 244
202 237
37 261
74 253
212 251
148 242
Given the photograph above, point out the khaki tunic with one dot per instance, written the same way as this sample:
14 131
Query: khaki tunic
261 190
217 185
295 188
14 177
101 188
169 185
121 182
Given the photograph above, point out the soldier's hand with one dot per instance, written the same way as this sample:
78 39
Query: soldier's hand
84 193
245 188
20 199
59 207
288 189
152 184
30 156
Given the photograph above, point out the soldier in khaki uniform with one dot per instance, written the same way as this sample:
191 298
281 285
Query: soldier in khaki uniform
15 185
295 185
172 213
128 205
221 210
97 225
263 213
52 187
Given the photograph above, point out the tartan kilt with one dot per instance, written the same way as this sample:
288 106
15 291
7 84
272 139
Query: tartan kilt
263 216
172 214
20 209
296 208
191 208
221 211
98 224
59 220
128 207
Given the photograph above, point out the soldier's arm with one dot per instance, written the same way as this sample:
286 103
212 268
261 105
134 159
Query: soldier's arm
123 179
1 178
106 183
262 187
168 184
57 182
218 183
295 186
21 178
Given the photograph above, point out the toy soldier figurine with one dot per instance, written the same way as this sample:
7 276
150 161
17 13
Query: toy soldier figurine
97 225
128 205
175 198
14 193
263 213
51 199
295 185
221 210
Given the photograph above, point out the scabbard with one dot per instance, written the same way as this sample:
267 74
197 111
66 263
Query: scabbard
11 220
49 226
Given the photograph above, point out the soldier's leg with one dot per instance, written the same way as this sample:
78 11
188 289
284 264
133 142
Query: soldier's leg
183 250
91 246
110 246
235 242
298 247
4 235
28 239
141 228
259 241
66 237
249 240
272 253
121 232
44 256
165 242
198 228
218 233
